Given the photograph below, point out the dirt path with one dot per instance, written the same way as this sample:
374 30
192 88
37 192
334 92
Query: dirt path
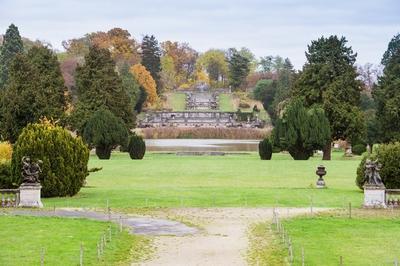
223 240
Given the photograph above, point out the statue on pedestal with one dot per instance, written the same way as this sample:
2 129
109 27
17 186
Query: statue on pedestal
30 170
372 173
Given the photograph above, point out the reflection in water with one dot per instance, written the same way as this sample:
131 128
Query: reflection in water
201 145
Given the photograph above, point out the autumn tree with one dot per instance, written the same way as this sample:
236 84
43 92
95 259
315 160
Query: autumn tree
184 58
329 78
168 73
151 58
12 45
387 93
239 68
35 90
145 80
214 63
100 87
122 46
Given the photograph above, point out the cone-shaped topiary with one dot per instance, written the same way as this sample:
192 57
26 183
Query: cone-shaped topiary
65 158
265 149
105 132
136 147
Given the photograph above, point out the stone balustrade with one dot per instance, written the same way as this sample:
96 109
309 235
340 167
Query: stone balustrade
9 198
393 198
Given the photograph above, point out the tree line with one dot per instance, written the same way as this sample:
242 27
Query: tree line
112 71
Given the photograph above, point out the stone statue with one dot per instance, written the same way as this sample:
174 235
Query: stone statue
30 170
372 173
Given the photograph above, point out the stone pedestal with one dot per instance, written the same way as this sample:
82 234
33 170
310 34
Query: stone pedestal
374 196
321 183
29 195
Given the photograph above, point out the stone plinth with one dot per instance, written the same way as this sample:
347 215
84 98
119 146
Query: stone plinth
374 196
29 195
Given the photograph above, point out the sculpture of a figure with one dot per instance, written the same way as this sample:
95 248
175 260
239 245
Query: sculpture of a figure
30 170
372 173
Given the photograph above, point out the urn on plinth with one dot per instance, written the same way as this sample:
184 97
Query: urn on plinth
29 191
321 172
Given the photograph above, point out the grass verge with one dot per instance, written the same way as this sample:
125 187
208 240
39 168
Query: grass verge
24 239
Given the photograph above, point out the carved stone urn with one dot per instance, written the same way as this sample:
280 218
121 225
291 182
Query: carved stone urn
321 172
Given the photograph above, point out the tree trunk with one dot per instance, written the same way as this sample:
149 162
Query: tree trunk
327 152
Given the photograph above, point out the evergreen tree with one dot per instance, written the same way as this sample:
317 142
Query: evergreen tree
35 89
131 86
239 68
105 131
387 94
12 45
151 58
329 78
301 131
99 86
51 91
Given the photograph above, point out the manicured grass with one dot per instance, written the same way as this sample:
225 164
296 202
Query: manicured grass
167 180
359 240
23 238
178 101
226 103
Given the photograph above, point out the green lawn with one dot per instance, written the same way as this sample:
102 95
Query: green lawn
360 241
226 103
167 180
178 101
23 238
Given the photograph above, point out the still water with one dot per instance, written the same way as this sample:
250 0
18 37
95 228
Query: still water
195 145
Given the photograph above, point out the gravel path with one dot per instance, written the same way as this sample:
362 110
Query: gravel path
137 225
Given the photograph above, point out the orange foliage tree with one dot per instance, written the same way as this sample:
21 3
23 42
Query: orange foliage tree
144 78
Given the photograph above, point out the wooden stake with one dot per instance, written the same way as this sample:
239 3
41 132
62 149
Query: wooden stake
302 257
349 210
81 255
42 257
341 261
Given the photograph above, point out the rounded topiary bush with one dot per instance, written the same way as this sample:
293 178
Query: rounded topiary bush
5 151
64 157
105 132
389 156
265 149
359 149
136 147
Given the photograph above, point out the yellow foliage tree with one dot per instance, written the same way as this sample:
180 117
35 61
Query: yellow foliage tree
144 78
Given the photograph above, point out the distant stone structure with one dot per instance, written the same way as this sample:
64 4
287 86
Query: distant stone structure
201 111
197 119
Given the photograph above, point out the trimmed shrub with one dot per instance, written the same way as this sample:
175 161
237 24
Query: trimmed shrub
105 132
359 149
65 158
265 149
389 156
136 147
5 174
5 151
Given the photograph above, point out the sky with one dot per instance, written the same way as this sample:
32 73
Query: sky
269 27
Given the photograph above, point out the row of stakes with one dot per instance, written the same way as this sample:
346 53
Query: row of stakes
105 238
286 240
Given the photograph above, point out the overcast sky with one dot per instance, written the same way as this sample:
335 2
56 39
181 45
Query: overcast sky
268 27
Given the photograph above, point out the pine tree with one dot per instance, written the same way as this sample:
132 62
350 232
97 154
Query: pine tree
301 131
51 91
239 68
35 89
329 78
151 58
99 86
387 94
12 45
